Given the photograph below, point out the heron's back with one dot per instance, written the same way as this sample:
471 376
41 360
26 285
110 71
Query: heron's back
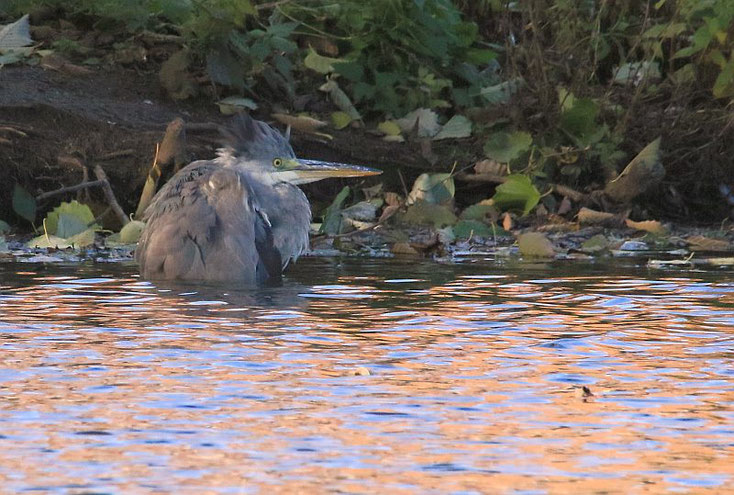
206 224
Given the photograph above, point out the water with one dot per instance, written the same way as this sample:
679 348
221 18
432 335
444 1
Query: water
368 377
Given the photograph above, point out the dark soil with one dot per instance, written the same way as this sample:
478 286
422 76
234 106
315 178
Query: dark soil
114 117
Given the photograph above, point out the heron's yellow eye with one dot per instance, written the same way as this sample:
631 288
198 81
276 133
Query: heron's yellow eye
277 163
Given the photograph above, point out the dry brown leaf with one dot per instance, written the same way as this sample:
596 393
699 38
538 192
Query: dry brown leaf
587 216
507 222
388 212
301 123
702 243
565 206
492 167
393 199
642 173
535 244
652 226
403 248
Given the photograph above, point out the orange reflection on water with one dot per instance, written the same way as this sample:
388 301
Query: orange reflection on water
112 384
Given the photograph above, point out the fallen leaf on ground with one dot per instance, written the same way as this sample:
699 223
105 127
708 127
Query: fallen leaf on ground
565 206
15 35
340 120
433 188
596 244
457 127
423 120
652 226
643 172
403 248
423 213
234 104
389 128
130 233
301 123
517 193
587 216
388 212
535 245
340 99
490 167
320 63
702 243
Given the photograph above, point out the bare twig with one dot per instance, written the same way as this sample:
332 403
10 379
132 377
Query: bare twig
68 189
491 178
111 200
116 154
570 193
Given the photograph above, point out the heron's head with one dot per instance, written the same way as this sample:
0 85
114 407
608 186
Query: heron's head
259 148
300 171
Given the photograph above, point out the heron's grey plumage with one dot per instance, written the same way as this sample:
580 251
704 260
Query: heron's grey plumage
224 219
236 218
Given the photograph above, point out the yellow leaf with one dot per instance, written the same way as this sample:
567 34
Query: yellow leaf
340 120
389 128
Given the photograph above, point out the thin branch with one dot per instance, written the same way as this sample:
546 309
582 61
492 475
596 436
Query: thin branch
68 189
116 154
111 200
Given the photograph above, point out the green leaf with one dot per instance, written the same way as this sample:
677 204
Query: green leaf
224 68
479 212
422 213
432 188
466 229
479 56
333 215
579 122
45 241
4 226
320 63
457 127
505 147
24 204
501 93
69 219
130 233
3 245
389 128
535 245
69 225
517 193
724 84
340 99
351 70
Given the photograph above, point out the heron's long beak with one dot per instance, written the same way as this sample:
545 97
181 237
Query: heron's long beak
305 171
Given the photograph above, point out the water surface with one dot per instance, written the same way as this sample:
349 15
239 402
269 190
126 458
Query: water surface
368 376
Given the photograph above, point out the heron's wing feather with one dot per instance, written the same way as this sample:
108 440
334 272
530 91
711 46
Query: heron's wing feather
202 226
270 263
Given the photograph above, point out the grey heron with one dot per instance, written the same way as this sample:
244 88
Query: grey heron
237 218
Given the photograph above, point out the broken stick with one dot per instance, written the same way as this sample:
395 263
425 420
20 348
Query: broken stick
102 176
